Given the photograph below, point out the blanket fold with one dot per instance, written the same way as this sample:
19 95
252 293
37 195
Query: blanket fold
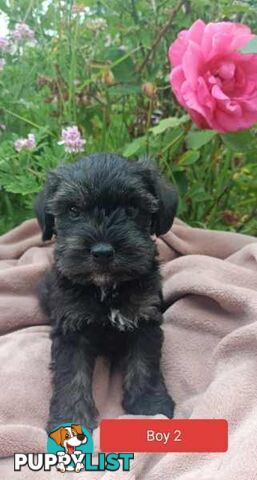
209 353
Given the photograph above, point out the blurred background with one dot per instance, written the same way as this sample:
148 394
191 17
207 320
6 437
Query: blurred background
102 66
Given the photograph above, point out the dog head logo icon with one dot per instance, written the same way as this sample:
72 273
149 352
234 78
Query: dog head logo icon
70 441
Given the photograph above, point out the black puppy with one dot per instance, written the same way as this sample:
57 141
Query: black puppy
103 293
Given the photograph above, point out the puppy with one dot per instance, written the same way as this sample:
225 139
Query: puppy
69 438
103 292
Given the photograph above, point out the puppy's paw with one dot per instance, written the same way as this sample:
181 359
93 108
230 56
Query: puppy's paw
149 403
89 421
79 467
60 467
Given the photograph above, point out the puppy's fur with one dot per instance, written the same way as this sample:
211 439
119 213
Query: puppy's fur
108 303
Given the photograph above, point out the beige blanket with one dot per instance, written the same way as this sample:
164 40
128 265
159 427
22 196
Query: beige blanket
209 355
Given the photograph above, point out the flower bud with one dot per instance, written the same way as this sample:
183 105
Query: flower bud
149 89
108 77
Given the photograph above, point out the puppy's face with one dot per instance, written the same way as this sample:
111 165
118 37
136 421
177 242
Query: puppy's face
69 437
103 210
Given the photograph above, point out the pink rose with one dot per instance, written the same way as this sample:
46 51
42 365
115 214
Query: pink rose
211 79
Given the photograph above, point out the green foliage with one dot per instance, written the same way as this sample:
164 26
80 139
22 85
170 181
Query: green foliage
250 47
92 73
244 141
197 139
168 123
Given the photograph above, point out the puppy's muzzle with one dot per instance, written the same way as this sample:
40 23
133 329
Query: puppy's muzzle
102 252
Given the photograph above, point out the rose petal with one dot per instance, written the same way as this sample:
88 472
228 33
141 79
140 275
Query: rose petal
177 78
218 93
192 61
177 49
224 122
204 95
233 108
191 101
198 119
227 70
214 80
227 123
195 32
249 105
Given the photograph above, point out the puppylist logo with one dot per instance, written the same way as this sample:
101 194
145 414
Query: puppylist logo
70 449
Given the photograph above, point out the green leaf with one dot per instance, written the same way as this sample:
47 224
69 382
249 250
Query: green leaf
181 182
172 139
124 90
242 141
123 69
166 123
188 158
250 47
133 147
196 140
19 184
199 194
237 8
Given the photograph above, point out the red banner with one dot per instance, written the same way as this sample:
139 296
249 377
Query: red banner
150 435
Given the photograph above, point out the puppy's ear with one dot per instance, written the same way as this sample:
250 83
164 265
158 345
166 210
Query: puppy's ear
167 206
57 436
77 429
46 218
165 194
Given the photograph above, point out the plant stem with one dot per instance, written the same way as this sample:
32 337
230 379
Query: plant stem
159 36
114 64
73 67
33 124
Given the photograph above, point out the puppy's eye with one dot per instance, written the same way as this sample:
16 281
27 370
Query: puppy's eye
74 211
67 435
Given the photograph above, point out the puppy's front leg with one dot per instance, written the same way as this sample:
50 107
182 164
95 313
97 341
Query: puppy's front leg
145 392
72 365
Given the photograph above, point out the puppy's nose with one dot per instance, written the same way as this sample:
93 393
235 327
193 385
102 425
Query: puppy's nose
102 252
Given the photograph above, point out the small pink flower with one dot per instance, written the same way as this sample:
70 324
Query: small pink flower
71 139
211 79
28 143
20 144
4 43
2 64
22 31
2 127
31 141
